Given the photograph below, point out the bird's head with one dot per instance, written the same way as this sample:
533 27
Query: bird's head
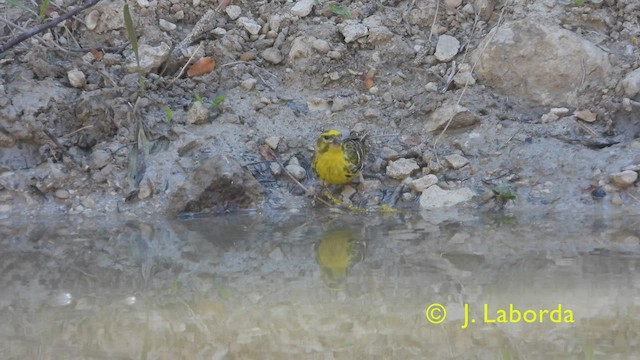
328 138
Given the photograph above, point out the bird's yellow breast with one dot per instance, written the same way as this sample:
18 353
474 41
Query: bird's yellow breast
332 167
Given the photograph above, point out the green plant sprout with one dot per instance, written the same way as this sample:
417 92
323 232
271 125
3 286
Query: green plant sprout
43 10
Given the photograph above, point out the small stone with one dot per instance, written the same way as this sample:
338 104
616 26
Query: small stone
631 83
401 168
272 142
151 58
549 117
276 254
626 104
88 203
585 115
616 200
456 161
100 158
91 20
462 79
300 48
468 8
219 31
197 114
624 179
318 104
166 25
248 84
334 55
275 168
340 103
373 90
302 8
435 197
233 11
560 112
296 171
408 196
272 55
143 3
179 15
419 185
431 87
321 46
459 115
347 192
77 78
274 22
293 161
634 167
447 48
372 113
61 194
248 56
196 2
353 30
250 25
452 4
146 190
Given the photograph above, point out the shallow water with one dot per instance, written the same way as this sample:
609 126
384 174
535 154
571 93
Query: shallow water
321 285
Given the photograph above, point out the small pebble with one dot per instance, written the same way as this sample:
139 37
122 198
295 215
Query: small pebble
456 161
61 194
272 142
248 84
77 78
624 179
233 11
296 171
166 25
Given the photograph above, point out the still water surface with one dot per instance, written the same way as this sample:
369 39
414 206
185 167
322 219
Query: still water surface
322 285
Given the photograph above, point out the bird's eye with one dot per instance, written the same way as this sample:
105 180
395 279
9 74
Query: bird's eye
325 138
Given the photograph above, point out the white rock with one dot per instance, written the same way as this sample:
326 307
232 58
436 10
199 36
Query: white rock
423 183
435 197
302 8
296 171
585 115
272 142
197 113
321 46
143 3
151 58
456 161
196 2
401 168
275 168
539 74
272 55
166 25
447 48
464 78
353 30
549 117
61 194
76 78
631 83
300 48
560 112
274 22
452 4
624 179
248 84
100 158
233 11
91 20
250 25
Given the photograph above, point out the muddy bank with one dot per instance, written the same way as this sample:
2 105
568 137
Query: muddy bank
540 98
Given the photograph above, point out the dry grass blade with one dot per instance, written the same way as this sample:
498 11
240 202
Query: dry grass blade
131 32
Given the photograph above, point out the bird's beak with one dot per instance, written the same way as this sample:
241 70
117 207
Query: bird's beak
336 141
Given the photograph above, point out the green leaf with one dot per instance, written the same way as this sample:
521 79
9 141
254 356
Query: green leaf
198 97
43 10
218 100
169 113
224 292
131 32
338 10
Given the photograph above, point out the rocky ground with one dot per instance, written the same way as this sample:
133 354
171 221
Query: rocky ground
462 100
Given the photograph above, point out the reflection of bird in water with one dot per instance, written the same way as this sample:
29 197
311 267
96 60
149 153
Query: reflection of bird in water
336 253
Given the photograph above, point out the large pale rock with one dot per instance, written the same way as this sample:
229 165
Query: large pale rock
302 8
624 179
219 184
401 168
353 30
435 197
542 64
447 48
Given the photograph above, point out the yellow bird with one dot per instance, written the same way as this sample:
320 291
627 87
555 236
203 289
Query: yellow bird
336 253
336 161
